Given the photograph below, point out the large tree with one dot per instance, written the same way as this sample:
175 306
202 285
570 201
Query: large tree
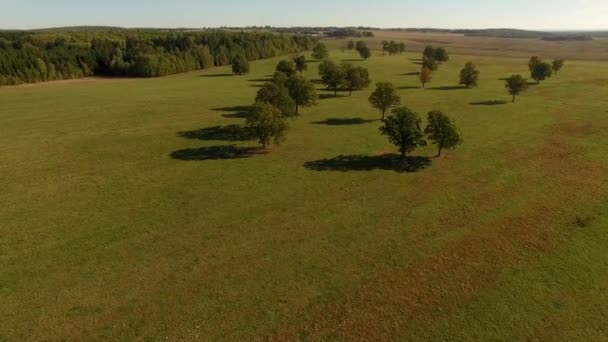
557 65
365 53
429 51
240 64
541 72
320 52
442 132
302 91
430 63
403 130
441 55
384 47
356 78
384 97
469 75
267 124
300 62
401 48
534 61
425 76
516 85
287 67
278 96
332 75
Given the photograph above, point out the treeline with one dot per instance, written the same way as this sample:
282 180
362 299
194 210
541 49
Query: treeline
28 57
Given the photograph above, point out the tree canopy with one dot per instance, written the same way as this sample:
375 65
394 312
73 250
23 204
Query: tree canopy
267 124
278 96
240 64
320 52
302 91
541 72
384 97
332 75
403 130
469 75
300 63
516 85
425 76
355 78
442 131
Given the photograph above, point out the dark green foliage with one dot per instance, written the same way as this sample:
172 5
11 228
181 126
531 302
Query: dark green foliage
392 48
267 124
542 71
429 52
332 75
355 78
363 50
557 65
279 78
534 61
384 97
469 75
287 67
320 52
516 85
442 132
350 45
302 91
403 130
300 62
55 55
360 45
278 96
240 65
430 63
441 55
401 47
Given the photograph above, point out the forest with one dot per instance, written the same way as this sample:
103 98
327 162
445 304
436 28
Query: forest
37 56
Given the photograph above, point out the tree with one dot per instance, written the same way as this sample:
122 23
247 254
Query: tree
384 97
430 63
469 75
302 91
403 130
278 96
442 132
287 67
350 45
331 75
279 78
360 45
401 48
320 52
356 78
384 47
393 48
516 85
240 65
365 53
301 65
425 76
541 72
441 55
429 52
557 65
267 125
534 61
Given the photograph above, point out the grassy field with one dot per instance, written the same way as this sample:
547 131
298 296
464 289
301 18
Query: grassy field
127 213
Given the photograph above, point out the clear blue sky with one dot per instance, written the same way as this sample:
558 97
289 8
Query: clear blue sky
525 14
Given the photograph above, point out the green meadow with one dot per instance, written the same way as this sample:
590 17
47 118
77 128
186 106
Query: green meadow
131 210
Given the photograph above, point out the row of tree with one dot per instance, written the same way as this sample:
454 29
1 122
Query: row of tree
27 57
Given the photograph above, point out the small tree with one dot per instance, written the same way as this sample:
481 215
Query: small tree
393 48
384 97
287 67
302 91
300 63
425 76
401 48
430 63
360 45
429 52
442 132
534 61
541 72
320 52
384 47
278 96
557 65
267 125
240 64
516 85
365 53
469 75
441 55
331 75
356 78
350 45
403 130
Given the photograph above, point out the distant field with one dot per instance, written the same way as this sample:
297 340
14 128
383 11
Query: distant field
109 232
596 49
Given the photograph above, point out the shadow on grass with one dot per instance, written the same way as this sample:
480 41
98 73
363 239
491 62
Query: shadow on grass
488 103
217 75
329 96
342 122
353 60
408 74
219 133
216 153
389 162
415 59
263 80
408 87
237 112
449 88
418 63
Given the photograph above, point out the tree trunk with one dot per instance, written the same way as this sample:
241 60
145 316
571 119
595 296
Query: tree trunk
297 107
513 98
439 151
383 112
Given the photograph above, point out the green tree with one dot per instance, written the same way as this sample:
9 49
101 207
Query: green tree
240 65
302 91
356 78
557 65
384 97
320 52
401 48
279 78
534 61
360 45
278 96
541 72
430 63
516 85
429 52
332 75
469 75
384 47
393 48
365 53
267 124
403 130
301 65
442 132
441 55
287 67
425 76
350 45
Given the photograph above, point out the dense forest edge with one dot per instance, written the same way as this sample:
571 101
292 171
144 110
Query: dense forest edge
48 55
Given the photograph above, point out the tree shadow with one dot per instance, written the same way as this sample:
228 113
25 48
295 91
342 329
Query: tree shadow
389 162
329 96
353 60
415 59
217 75
342 122
414 73
216 153
263 80
488 103
408 87
448 88
223 133
238 112
418 63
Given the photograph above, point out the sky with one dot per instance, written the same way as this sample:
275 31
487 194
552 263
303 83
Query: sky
522 14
